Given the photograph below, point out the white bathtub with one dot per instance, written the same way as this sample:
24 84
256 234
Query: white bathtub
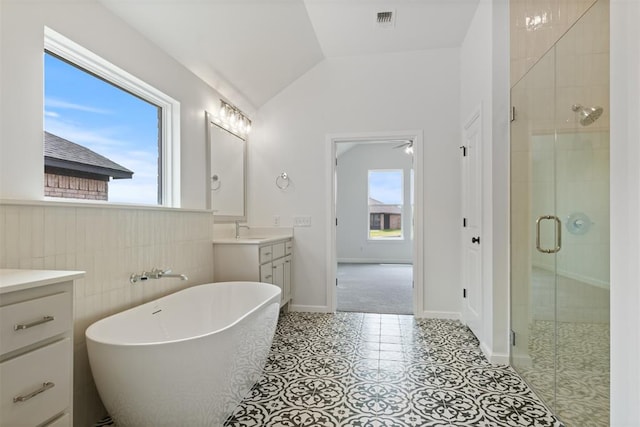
186 359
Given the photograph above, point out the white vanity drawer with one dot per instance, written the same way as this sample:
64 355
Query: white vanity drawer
278 250
46 369
266 254
288 247
30 321
63 421
266 273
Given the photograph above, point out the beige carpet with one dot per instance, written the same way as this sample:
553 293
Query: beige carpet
375 288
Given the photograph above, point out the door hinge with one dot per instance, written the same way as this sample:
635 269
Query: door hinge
464 222
513 338
336 222
464 293
464 150
336 281
513 114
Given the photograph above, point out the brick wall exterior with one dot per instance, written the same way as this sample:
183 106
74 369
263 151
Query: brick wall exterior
75 188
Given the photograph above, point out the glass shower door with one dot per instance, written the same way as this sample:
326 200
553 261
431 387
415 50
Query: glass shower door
534 229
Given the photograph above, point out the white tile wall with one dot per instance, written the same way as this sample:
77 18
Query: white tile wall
536 25
109 243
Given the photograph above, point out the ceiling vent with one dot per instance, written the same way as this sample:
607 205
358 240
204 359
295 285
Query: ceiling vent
386 18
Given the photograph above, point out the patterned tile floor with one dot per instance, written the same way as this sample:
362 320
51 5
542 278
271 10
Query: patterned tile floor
370 370
580 368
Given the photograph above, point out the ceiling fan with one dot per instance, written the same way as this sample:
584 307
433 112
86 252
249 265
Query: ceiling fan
406 145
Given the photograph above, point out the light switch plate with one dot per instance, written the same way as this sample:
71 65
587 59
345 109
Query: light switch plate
302 221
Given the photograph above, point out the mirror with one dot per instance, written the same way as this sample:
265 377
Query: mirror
226 173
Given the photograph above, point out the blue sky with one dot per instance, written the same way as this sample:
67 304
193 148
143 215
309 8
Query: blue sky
386 186
95 114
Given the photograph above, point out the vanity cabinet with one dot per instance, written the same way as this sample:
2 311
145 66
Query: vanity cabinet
36 347
255 261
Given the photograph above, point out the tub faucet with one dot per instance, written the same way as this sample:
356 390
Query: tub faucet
238 227
155 273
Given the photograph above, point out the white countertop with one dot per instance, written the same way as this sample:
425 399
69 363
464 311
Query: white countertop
249 240
255 235
18 280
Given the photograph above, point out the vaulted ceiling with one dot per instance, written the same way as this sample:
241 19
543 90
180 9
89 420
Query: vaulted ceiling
252 49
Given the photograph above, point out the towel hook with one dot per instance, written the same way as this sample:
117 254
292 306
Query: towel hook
282 181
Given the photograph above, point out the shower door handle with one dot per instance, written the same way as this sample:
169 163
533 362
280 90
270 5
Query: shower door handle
558 234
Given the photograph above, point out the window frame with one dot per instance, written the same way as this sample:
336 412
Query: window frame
401 205
169 128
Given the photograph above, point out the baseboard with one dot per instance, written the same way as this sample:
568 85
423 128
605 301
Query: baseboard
309 308
373 261
451 315
494 358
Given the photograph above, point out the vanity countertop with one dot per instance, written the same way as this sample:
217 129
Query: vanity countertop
250 240
18 280
255 235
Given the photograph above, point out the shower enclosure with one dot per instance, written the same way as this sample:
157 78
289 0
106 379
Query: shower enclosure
560 223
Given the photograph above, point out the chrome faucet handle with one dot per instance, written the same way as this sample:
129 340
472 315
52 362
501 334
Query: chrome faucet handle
138 277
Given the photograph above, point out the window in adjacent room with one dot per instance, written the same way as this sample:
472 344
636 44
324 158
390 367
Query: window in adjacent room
385 204
107 135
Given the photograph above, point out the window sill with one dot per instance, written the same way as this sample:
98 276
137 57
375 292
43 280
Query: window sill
56 202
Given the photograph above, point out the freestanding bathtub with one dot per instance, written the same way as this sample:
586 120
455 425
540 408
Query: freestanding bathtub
186 359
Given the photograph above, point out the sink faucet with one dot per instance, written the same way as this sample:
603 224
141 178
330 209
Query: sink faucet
238 227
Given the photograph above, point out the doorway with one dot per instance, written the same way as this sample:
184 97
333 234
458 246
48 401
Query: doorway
376 224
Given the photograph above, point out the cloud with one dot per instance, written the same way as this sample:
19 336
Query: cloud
57 103
51 114
101 140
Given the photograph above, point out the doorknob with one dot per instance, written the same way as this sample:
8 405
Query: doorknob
475 240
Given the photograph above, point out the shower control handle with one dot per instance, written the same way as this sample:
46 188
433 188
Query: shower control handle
475 240
558 234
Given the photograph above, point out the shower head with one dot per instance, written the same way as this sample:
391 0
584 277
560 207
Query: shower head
588 115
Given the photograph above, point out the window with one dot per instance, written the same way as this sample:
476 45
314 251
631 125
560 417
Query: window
386 189
107 135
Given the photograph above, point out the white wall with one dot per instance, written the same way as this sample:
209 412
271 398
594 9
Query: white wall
352 242
91 25
625 211
484 65
377 93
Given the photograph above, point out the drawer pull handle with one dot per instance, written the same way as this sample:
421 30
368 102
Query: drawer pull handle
45 386
268 277
45 319
267 253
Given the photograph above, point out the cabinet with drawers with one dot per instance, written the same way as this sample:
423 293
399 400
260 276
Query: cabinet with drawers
36 347
263 261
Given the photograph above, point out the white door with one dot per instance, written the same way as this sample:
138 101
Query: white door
472 223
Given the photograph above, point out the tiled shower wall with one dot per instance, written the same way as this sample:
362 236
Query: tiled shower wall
109 243
535 26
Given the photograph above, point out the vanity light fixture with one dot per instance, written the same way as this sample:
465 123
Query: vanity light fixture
230 118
